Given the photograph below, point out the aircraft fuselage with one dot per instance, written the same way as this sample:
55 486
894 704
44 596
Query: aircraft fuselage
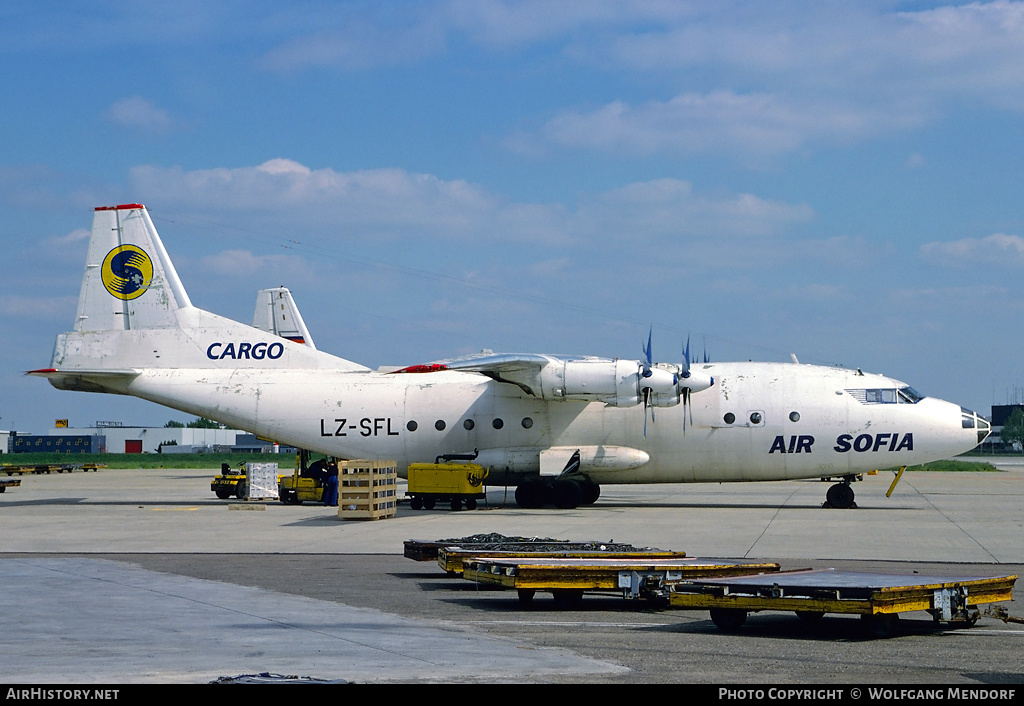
760 421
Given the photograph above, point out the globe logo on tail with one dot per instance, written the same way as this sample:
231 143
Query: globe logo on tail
127 272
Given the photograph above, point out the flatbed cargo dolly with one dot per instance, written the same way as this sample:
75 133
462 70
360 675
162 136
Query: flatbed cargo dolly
40 468
567 579
9 483
452 559
811 593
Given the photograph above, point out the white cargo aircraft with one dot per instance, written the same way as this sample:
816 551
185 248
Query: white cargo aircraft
556 426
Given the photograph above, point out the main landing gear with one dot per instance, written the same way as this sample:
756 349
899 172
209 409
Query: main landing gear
841 495
565 493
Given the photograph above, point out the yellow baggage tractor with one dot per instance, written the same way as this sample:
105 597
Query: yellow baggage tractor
457 484
230 483
568 578
877 598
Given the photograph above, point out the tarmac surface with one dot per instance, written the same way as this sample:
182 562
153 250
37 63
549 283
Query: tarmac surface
143 576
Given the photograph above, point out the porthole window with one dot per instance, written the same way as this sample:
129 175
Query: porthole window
412 426
755 417
439 425
497 423
527 422
468 425
729 417
794 416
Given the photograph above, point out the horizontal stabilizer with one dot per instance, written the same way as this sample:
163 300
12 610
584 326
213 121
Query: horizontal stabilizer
111 381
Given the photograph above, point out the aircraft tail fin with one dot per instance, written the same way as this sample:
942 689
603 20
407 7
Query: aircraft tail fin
126 260
277 313
134 315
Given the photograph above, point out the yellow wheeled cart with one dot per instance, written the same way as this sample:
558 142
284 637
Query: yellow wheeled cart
632 576
453 559
9 483
459 484
878 598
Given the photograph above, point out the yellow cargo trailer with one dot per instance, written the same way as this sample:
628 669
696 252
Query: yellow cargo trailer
457 483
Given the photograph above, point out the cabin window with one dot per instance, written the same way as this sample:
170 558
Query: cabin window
412 426
527 422
794 416
497 423
439 425
468 425
729 418
755 417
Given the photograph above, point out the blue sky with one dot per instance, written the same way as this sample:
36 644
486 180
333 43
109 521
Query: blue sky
842 181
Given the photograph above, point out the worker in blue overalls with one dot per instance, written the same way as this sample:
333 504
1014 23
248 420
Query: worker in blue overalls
331 485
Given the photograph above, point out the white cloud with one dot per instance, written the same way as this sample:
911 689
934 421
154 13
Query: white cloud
358 43
397 204
140 114
997 248
755 124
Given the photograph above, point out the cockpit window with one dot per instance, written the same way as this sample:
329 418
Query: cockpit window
880 396
886 395
910 395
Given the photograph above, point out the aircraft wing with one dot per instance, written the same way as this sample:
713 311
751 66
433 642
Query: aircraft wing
521 369
616 382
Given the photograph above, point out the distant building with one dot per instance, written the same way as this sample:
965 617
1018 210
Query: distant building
129 439
1000 413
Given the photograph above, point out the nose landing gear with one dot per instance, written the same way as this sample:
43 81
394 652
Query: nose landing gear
840 495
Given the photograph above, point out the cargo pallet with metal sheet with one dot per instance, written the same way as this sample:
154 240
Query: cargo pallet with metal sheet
567 579
428 550
877 598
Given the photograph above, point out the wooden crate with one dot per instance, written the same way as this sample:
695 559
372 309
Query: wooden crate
367 490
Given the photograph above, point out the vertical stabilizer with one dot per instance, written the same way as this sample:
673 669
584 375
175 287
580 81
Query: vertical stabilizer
277 313
129 281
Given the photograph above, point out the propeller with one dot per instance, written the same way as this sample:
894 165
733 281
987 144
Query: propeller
660 387
684 393
647 373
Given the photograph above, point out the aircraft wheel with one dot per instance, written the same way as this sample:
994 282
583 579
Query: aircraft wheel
530 494
840 496
567 494
591 492
728 619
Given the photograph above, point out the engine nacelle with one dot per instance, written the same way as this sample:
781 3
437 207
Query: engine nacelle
614 382
662 385
618 383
